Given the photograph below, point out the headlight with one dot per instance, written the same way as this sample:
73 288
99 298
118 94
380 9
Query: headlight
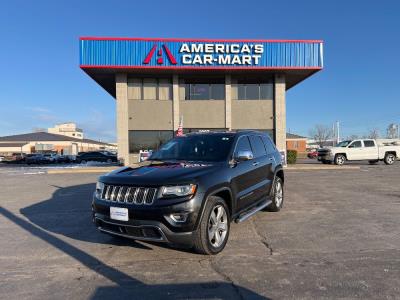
178 190
99 188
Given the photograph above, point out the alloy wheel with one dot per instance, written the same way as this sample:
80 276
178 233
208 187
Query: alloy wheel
217 226
278 193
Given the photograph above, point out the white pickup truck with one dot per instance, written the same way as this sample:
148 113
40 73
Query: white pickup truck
365 149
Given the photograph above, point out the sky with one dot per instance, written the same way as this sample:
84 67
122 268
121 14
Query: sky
41 83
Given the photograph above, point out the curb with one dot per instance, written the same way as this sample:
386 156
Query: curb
75 171
319 168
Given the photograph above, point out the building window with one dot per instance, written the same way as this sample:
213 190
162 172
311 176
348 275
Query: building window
148 139
202 90
149 89
252 90
164 89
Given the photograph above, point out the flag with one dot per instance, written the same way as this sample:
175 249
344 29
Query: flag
179 132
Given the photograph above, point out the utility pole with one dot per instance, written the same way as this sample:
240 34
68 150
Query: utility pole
337 132
334 135
398 131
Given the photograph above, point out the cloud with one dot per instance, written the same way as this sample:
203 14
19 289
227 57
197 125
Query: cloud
97 126
38 109
46 117
42 114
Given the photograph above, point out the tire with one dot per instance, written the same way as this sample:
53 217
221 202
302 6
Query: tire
389 158
83 161
340 159
372 162
202 243
109 161
277 195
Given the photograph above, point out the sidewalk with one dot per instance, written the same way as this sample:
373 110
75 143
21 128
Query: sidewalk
315 167
295 167
83 170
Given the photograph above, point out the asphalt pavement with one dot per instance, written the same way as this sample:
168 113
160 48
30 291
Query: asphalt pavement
336 237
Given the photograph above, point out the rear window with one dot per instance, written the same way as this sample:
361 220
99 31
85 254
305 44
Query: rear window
369 144
258 146
268 144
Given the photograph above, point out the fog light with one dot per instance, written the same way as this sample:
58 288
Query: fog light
179 218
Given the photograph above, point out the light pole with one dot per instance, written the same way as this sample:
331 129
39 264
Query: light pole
338 132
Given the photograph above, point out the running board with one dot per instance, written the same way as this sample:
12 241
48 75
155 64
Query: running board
252 211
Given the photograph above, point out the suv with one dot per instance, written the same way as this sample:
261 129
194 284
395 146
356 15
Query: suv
96 156
36 158
189 191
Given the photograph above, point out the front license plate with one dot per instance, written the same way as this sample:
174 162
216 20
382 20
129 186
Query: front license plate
119 213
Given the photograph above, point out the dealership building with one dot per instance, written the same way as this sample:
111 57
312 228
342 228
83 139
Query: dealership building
201 84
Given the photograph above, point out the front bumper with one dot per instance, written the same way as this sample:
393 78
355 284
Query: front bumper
150 222
142 230
325 156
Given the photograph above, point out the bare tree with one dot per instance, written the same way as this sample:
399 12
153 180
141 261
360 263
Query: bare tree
353 137
392 131
373 133
321 134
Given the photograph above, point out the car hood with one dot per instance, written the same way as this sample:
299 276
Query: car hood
335 148
160 173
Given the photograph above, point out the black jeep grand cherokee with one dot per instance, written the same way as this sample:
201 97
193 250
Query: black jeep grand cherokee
189 191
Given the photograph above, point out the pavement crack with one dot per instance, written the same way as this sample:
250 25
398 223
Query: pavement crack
226 277
266 244
263 239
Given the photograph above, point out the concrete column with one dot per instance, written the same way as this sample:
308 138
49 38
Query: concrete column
280 112
122 117
175 104
228 101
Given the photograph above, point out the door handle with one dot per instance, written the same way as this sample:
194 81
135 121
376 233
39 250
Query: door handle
256 163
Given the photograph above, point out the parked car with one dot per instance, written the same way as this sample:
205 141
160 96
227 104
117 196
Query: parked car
51 157
2 158
17 157
36 158
70 158
96 156
367 149
62 159
312 154
189 191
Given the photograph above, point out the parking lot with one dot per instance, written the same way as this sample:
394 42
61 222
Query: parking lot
337 237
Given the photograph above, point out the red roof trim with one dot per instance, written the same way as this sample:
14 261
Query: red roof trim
92 38
198 68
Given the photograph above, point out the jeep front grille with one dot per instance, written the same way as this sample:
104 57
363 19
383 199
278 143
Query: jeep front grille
128 194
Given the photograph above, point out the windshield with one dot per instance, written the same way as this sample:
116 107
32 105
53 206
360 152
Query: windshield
211 147
343 144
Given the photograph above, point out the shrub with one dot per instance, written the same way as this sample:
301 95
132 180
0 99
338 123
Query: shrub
291 156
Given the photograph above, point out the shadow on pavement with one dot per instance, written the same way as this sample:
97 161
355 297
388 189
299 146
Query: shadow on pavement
68 212
127 286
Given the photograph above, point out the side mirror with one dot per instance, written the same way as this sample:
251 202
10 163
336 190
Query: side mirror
244 155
